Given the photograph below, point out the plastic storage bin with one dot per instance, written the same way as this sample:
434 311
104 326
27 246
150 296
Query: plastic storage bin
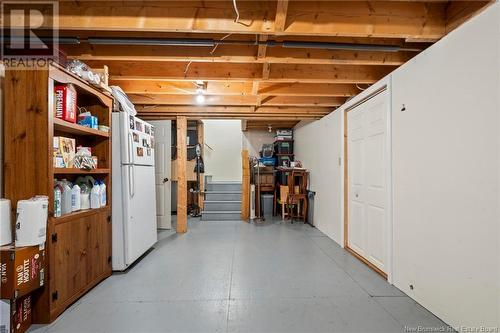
266 201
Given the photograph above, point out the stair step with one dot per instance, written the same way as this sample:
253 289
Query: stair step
223 186
222 195
222 205
221 215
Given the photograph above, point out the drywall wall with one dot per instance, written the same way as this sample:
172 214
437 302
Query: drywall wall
222 155
254 139
445 174
318 145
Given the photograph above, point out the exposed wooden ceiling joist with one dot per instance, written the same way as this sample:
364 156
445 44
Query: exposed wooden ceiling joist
249 100
395 19
231 88
254 81
234 112
175 71
236 54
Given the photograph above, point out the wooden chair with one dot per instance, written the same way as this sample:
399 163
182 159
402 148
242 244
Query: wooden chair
283 200
297 194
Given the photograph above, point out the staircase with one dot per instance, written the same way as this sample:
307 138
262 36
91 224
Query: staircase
222 201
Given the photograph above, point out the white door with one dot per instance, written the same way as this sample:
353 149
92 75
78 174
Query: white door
162 135
367 164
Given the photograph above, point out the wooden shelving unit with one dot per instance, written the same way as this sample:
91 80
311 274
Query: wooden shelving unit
70 128
75 171
78 245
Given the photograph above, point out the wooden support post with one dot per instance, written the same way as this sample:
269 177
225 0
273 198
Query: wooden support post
245 188
181 174
201 141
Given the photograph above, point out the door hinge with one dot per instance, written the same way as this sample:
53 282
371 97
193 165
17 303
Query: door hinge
54 238
55 296
109 219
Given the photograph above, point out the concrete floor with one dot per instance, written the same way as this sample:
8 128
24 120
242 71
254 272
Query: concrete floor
239 277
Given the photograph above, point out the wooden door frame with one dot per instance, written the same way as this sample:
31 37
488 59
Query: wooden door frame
381 87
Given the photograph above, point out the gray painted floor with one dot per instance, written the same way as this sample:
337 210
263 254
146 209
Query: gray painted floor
239 277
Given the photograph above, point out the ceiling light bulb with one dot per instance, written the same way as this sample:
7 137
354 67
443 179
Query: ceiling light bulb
199 82
200 99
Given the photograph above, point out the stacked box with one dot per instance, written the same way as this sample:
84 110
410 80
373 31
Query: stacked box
64 152
15 315
65 102
22 270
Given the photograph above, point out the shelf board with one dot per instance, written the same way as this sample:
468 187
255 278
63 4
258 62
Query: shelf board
67 127
75 171
61 75
77 215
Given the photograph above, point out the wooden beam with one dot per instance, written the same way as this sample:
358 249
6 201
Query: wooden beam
181 174
122 70
280 20
232 88
160 116
245 188
458 12
263 125
222 100
235 54
232 110
394 19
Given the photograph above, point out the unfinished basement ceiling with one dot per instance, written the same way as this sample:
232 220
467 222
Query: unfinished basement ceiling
252 60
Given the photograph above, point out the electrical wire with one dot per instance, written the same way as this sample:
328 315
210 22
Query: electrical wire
357 86
217 44
237 20
187 68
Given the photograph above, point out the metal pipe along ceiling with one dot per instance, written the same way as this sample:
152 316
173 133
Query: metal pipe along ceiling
212 43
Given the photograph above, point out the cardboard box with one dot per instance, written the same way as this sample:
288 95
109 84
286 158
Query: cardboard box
22 270
65 102
15 315
64 152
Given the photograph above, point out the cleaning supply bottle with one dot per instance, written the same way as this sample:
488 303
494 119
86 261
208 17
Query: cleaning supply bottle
75 198
57 199
66 197
95 194
85 196
103 193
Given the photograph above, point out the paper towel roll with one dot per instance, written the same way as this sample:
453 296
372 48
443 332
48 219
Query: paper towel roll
5 222
31 224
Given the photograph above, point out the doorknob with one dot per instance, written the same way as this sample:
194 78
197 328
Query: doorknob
165 180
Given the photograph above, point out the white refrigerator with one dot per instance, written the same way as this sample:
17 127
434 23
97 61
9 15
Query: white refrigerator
133 189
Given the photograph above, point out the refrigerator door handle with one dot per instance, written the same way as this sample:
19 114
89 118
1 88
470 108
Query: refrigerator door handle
131 180
130 147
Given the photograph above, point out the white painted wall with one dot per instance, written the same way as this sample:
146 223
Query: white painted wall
223 160
446 174
254 139
318 146
446 181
